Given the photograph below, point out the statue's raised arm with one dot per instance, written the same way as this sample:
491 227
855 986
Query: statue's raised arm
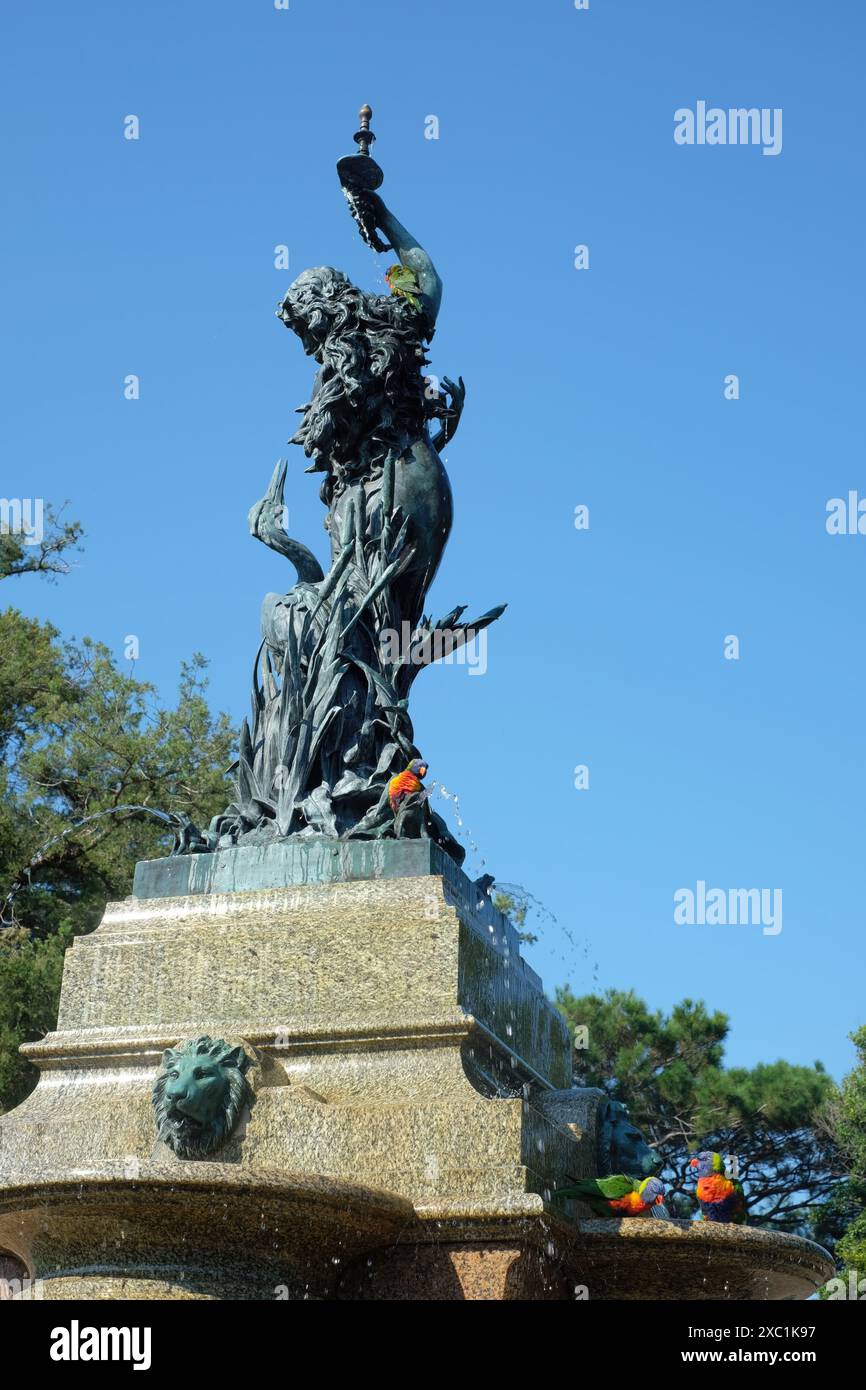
412 255
360 176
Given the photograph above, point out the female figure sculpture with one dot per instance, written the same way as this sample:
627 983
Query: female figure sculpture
330 723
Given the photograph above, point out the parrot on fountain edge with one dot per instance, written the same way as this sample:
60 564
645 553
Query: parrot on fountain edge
619 1195
720 1198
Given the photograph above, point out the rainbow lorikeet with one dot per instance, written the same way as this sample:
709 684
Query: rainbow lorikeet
401 280
406 783
619 1195
720 1198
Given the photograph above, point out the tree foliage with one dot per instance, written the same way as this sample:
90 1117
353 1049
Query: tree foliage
845 1117
79 735
47 555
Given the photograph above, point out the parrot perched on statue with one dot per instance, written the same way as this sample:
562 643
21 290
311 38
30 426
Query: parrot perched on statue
619 1195
406 783
720 1198
401 280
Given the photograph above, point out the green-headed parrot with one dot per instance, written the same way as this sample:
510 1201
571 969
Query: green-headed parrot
401 280
720 1198
618 1195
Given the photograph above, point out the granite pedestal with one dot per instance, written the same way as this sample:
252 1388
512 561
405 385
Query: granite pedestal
413 1106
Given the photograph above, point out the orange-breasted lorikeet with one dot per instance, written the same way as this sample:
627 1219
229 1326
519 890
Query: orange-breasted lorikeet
406 783
720 1198
619 1195
402 281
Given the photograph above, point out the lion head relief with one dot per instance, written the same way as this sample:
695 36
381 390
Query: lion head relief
199 1094
622 1147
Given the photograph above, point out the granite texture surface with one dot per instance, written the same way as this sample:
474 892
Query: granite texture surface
412 1115
205 1232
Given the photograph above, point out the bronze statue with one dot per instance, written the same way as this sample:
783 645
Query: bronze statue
330 723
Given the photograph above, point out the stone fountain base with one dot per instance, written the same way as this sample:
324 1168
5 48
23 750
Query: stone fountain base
412 1105
541 1258
210 1232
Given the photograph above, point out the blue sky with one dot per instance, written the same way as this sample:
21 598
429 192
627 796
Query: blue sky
602 387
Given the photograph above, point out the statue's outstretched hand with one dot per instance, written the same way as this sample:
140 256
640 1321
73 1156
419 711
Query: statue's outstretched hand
373 206
448 412
370 214
457 397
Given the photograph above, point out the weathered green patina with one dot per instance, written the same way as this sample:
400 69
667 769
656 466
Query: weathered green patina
199 1094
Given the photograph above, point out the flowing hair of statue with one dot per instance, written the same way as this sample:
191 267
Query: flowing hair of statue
368 400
